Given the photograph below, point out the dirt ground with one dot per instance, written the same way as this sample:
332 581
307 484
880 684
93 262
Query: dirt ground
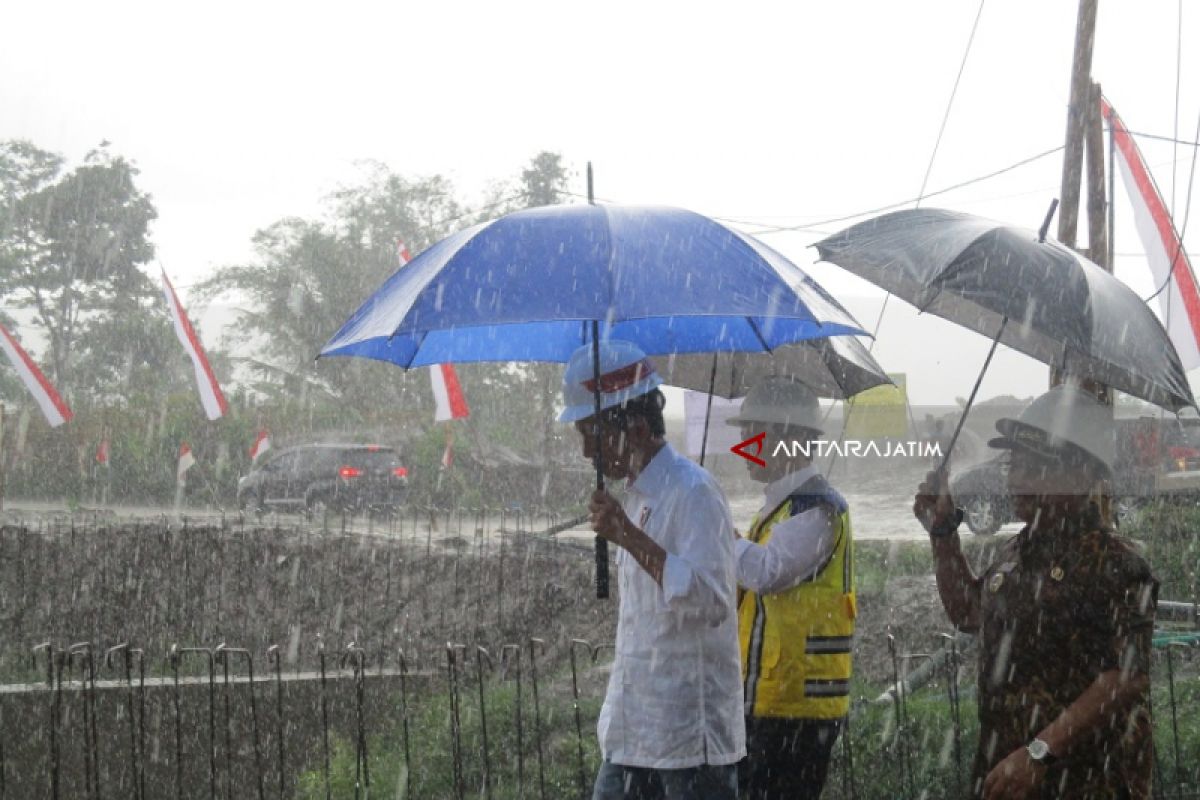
476 581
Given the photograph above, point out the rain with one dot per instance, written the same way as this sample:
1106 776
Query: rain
641 402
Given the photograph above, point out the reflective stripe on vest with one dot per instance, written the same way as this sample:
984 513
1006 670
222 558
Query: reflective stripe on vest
796 644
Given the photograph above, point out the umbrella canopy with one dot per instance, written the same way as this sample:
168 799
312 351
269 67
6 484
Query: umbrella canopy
536 284
527 287
838 367
1043 299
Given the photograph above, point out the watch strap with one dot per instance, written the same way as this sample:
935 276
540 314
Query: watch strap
948 526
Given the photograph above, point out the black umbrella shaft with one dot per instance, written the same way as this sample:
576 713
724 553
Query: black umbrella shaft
601 543
712 384
970 400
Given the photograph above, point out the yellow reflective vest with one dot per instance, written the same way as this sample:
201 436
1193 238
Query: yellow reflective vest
796 644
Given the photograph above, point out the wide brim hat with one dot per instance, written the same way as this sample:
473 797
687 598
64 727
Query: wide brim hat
625 373
780 400
1062 422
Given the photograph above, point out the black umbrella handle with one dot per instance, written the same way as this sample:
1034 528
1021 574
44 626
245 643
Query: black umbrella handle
601 543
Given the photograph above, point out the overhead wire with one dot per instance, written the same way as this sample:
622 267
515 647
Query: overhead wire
763 229
917 204
899 204
1178 78
950 103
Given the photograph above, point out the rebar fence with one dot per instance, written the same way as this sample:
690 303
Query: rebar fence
406 581
458 655
460 721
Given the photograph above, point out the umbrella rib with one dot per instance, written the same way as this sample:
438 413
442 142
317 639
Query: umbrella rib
758 334
417 349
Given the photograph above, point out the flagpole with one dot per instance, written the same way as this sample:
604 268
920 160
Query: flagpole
3 472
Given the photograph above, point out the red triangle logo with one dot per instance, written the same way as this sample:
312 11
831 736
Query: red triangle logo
757 441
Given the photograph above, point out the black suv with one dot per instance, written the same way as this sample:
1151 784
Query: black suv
316 477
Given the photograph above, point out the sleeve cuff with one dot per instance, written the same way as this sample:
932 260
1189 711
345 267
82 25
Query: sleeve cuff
676 578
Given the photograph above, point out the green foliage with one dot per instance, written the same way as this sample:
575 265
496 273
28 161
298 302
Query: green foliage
431 752
876 561
1171 533
308 276
74 243
926 747
71 248
544 180
883 756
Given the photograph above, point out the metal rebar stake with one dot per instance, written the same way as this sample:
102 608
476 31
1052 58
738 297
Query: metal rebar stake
123 649
515 649
275 661
534 644
324 716
452 651
482 656
212 713
408 794
362 774
48 647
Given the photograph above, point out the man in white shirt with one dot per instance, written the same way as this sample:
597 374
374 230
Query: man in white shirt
671 725
797 606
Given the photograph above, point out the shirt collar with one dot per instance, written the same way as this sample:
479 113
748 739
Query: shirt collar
652 480
777 491
1062 535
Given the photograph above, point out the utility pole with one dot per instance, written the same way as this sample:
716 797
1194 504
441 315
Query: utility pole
1097 203
1084 132
1081 76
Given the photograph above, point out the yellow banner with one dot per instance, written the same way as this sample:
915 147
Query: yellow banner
879 413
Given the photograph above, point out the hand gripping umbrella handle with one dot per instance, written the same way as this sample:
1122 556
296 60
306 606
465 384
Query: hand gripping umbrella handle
601 544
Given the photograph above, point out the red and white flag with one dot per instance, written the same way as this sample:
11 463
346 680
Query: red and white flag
1179 298
206 382
448 394
54 407
186 460
262 443
102 453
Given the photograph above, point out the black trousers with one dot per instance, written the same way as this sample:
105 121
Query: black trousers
786 759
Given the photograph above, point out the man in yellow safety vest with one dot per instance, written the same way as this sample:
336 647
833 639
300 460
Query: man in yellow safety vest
797 606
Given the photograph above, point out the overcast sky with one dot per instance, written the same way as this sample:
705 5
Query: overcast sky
772 113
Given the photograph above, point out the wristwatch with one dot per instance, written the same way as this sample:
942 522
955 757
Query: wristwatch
1040 753
948 526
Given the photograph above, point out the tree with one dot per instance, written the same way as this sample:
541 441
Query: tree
71 245
529 425
308 276
545 180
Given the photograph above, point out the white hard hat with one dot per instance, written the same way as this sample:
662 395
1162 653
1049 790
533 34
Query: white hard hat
1063 418
625 373
780 400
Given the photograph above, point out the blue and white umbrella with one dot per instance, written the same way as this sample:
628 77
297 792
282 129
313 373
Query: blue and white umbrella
536 284
529 285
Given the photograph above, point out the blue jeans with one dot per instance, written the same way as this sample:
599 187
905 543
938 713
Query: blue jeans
705 782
